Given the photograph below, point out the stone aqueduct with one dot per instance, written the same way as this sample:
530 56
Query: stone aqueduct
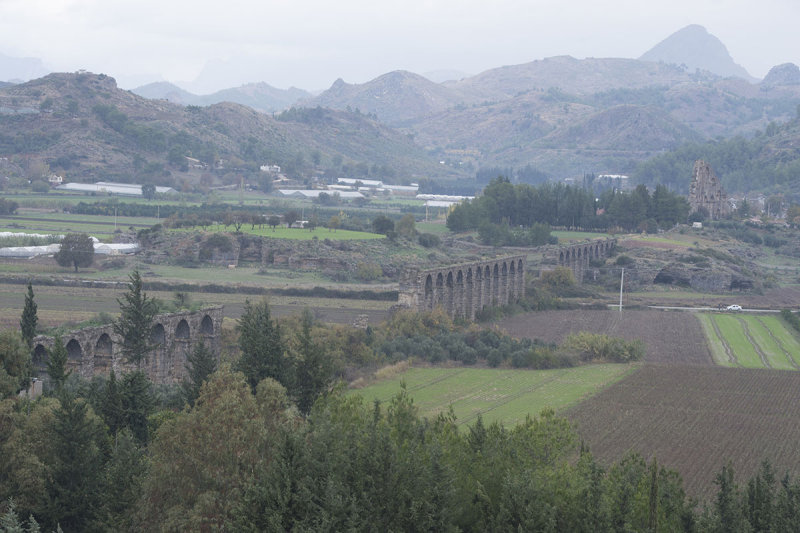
464 289
577 256
96 350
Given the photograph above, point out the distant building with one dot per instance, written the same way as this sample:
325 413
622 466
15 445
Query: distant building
272 169
55 180
314 193
108 187
619 182
706 192
373 184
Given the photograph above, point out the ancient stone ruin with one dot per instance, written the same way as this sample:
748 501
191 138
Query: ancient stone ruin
577 256
96 350
463 290
706 192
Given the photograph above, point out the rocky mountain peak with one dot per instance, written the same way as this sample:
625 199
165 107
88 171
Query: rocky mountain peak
697 49
785 74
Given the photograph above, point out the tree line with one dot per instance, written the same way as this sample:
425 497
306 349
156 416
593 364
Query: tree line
503 209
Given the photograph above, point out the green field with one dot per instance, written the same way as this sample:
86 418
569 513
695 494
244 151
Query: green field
507 396
751 341
297 233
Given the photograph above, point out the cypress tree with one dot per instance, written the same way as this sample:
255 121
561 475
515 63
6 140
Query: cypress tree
27 323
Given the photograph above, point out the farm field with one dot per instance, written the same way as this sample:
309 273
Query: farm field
298 233
694 419
671 337
68 223
57 305
751 341
507 396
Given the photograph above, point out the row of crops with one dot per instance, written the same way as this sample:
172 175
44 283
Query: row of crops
507 396
751 341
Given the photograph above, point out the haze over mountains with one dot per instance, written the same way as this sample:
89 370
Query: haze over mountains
563 115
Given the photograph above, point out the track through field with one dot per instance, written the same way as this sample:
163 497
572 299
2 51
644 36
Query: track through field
779 343
755 345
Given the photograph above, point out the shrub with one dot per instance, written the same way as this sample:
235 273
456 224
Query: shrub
368 271
592 346
429 240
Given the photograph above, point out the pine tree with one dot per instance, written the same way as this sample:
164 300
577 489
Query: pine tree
122 484
111 409
27 323
200 363
57 365
137 403
135 321
263 351
313 371
74 486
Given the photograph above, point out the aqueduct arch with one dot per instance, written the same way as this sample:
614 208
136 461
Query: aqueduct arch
464 289
96 350
577 256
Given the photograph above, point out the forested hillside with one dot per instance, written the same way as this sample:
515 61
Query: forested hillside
769 161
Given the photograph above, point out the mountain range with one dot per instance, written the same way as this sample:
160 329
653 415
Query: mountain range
563 115
259 96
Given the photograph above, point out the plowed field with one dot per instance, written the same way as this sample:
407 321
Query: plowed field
671 337
694 419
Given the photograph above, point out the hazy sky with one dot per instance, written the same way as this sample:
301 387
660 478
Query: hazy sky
310 43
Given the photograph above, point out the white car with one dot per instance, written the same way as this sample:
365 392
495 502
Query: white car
734 308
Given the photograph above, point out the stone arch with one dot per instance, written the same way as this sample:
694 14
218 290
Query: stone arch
460 293
40 358
429 292
74 352
207 326
158 335
103 354
487 287
520 278
182 331
471 296
438 293
495 284
503 299
512 280
449 297
561 258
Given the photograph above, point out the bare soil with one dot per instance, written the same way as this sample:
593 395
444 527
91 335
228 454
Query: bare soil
695 419
670 337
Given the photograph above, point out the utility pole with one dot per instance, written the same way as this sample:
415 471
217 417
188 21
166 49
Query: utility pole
621 281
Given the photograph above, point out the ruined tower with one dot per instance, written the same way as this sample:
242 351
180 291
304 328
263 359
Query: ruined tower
706 191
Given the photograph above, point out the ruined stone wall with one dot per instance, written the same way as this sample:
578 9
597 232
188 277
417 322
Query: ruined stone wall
96 350
463 290
577 256
706 191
